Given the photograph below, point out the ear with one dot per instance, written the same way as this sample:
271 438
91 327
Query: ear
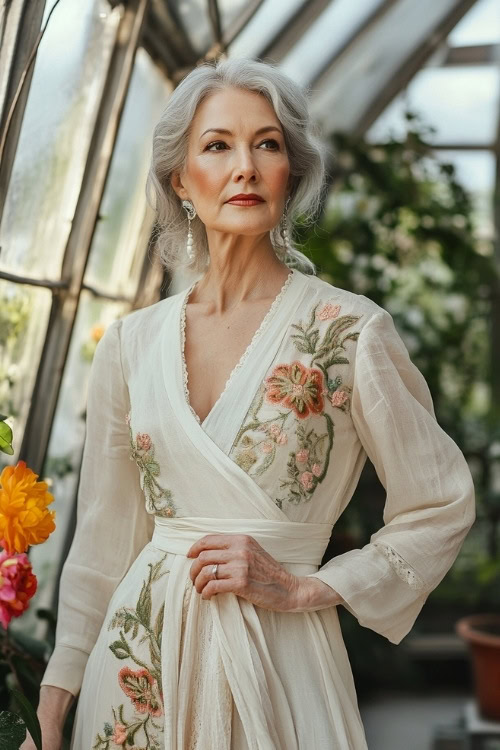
176 182
289 185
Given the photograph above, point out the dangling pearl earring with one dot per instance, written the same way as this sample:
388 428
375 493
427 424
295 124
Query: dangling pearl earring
283 227
191 213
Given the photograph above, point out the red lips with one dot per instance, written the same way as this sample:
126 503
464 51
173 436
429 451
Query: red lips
245 196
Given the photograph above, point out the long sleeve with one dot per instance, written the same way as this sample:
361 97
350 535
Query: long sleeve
430 499
112 523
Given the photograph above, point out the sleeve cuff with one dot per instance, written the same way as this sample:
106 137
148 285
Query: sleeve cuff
373 593
65 669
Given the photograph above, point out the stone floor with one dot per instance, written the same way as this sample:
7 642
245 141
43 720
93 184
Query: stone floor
401 721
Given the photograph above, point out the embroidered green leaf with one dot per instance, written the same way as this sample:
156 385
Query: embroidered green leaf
120 648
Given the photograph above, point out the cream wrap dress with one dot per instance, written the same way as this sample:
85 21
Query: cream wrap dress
325 381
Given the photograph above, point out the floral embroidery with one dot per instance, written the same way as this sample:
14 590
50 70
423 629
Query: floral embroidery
142 686
299 391
142 451
296 387
328 311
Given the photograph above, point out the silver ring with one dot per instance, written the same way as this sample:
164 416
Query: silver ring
214 570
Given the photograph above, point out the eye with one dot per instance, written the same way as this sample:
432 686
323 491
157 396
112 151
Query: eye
276 145
213 143
272 141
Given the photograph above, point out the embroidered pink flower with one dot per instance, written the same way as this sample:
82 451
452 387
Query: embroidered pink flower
338 398
120 733
143 441
266 447
142 689
296 387
306 480
328 311
302 455
274 430
282 438
316 469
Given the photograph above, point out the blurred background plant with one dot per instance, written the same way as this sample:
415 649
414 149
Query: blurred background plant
25 519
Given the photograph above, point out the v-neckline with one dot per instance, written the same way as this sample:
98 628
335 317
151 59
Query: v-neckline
256 336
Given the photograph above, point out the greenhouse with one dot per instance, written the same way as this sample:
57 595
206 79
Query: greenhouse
404 96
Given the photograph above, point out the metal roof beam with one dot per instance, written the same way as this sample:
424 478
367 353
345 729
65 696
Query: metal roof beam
366 76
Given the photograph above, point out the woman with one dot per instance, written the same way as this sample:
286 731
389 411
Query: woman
192 613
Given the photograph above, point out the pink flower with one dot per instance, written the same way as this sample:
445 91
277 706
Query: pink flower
282 438
316 469
266 447
141 687
120 733
17 585
296 387
274 430
143 441
307 480
302 455
338 398
328 311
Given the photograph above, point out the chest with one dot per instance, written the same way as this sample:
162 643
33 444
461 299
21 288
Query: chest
214 346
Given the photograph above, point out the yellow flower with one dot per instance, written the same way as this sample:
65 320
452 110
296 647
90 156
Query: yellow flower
24 517
97 332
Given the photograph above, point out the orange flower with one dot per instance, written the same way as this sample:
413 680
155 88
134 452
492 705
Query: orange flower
297 387
17 585
24 517
97 332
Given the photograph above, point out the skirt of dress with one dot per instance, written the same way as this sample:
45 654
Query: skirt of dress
121 700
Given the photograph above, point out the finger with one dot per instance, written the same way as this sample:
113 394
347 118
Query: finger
207 557
223 586
209 541
206 575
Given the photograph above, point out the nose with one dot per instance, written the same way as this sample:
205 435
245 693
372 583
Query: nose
244 165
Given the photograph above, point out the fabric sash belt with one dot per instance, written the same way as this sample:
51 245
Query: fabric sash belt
239 642
286 541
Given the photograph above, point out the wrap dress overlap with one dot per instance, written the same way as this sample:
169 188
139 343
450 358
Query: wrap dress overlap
325 382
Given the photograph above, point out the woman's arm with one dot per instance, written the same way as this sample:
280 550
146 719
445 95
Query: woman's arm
112 524
430 502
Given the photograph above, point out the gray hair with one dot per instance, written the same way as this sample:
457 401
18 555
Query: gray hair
306 152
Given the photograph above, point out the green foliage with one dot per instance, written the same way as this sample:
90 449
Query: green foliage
5 437
12 731
15 310
398 227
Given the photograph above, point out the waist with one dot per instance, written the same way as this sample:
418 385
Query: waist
286 541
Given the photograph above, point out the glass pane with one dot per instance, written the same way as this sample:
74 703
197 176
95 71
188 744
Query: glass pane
270 18
66 444
325 37
475 170
460 102
67 83
116 255
481 25
24 314
193 17
229 11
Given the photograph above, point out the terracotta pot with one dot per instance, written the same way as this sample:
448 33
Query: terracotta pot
482 634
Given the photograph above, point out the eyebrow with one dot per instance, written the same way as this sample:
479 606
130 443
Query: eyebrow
265 129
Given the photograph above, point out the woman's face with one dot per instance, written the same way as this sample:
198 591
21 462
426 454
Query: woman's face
248 157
